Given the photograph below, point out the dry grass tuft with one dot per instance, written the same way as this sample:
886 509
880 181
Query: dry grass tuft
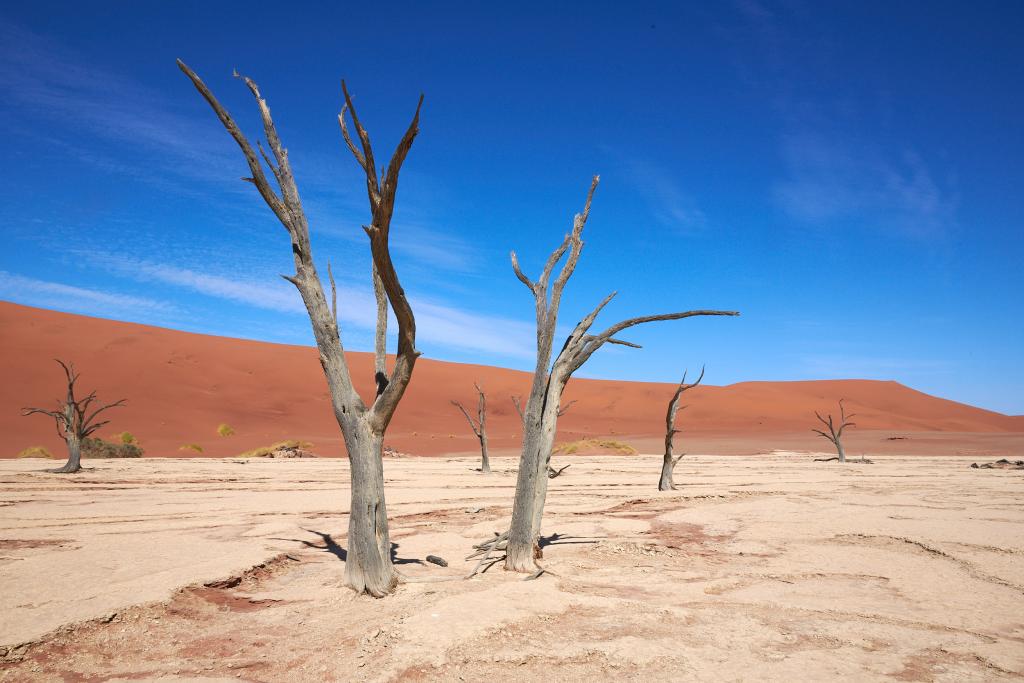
595 445
266 451
36 452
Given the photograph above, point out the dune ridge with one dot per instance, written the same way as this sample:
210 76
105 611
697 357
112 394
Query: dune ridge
180 386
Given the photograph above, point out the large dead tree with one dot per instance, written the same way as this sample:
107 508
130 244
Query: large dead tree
479 427
835 433
540 415
368 566
668 462
75 418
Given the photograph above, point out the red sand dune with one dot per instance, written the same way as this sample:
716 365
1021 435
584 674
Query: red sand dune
181 386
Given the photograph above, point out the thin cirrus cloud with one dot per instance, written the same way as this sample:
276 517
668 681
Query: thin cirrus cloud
667 201
438 325
845 366
43 79
828 181
56 295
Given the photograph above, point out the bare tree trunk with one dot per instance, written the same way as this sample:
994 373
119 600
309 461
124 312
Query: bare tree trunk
839 449
380 339
485 458
540 416
74 463
531 488
668 463
668 466
368 565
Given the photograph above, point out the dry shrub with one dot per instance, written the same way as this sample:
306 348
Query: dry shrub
602 445
265 451
94 447
224 429
191 447
36 452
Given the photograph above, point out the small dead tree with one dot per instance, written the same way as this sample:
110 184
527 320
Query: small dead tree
540 415
668 463
834 434
479 427
368 566
76 419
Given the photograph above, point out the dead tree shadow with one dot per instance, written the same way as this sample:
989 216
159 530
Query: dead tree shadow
331 546
559 539
395 559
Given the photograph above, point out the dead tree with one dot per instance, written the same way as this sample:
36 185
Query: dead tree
668 463
76 419
479 427
540 415
834 434
368 567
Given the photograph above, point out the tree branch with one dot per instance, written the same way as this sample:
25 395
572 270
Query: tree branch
516 401
380 339
469 418
87 422
334 294
563 409
366 159
360 159
258 178
288 209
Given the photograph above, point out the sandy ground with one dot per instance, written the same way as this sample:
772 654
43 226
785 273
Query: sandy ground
769 567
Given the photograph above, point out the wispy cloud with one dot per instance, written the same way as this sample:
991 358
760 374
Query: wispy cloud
669 203
833 171
438 324
829 181
46 294
415 242
845 366
43 80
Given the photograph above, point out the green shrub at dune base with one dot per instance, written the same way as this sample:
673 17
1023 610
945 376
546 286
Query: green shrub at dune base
126 437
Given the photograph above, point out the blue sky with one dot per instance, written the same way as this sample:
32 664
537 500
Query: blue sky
848 175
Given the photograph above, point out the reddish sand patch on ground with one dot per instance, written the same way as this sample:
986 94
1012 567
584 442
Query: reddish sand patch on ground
181 386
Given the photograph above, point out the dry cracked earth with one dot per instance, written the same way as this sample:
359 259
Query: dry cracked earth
768 567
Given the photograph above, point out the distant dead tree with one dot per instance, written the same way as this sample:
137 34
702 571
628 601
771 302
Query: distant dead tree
76 419
368 567
834 434
540 415
479 427
668 463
